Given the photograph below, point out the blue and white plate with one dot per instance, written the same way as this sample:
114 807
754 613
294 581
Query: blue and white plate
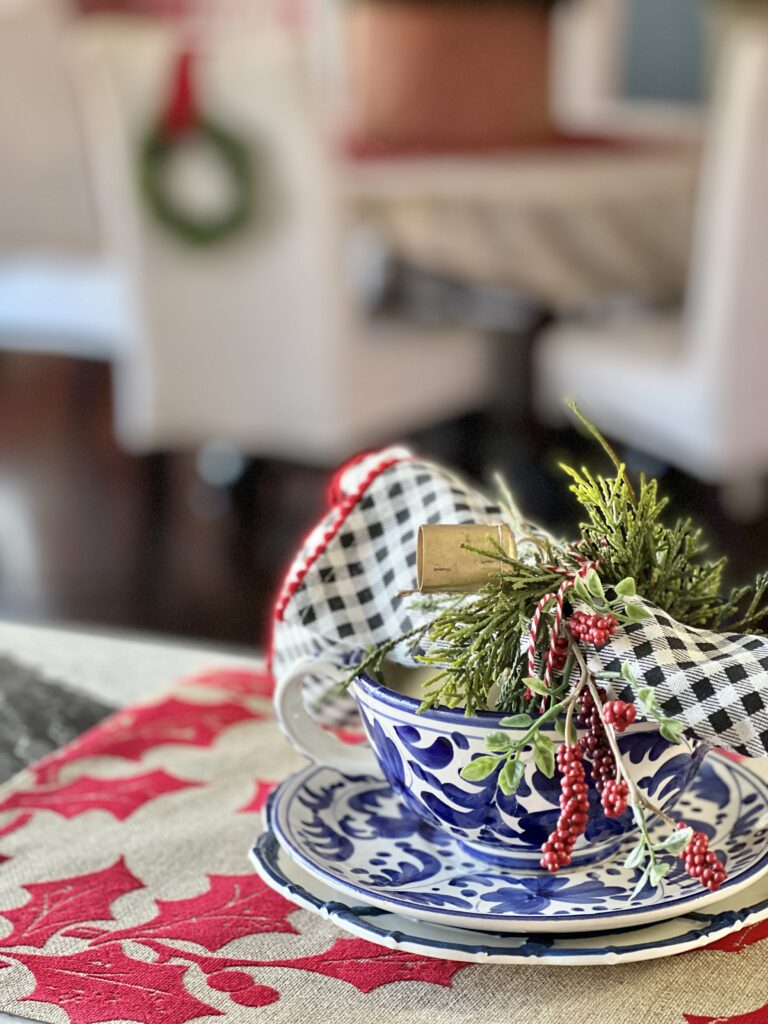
679 935
355 835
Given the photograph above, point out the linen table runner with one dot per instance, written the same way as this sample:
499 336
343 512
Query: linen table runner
126 894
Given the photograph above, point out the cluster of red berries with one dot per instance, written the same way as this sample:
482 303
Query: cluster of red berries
614 798
592 629
700 862
560 655
614 793
595 743
574 810
619 714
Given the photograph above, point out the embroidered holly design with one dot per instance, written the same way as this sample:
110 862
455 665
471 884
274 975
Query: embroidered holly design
119 797
259 799
102 982
130 733
758 1016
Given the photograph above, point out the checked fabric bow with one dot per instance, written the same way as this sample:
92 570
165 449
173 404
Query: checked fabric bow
343 595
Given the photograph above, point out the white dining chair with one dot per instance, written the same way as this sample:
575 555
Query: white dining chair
259 342
690 388
57 292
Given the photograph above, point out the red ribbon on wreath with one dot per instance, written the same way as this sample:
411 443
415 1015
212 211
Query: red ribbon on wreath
182 113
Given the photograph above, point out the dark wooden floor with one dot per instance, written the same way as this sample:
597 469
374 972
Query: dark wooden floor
89 534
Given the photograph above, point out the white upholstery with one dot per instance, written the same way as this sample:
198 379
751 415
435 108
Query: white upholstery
692 389
258 341
45 202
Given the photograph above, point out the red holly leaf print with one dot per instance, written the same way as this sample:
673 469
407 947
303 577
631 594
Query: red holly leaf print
263 788
119 797
367 966
758 1016
132 732
105 985
356 961
238 682
738 941
15 823
232 907
54 905
353 736
242 989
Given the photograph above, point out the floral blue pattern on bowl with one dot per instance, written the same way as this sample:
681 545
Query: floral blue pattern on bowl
357 835
422 755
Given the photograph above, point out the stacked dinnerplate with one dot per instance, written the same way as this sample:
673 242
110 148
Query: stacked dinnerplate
383 847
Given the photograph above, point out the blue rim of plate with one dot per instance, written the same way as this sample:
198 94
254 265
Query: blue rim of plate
361 921
646 916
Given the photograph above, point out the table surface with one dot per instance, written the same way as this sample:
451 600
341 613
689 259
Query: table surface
114 668
572 229
306 969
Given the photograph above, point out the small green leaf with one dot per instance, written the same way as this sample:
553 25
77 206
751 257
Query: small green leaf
517 722
510 776
626 587
677 841
641 883
638 815
671 729
544 754
658 871
537 685
636 612
580 588
636 857
594 586
498 742
647 698
479 769
628 674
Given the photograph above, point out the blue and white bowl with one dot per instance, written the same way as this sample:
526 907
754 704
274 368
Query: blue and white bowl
422 756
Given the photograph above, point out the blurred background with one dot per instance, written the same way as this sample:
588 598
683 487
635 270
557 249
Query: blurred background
242 240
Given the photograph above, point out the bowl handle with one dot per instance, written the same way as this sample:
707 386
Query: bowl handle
306 735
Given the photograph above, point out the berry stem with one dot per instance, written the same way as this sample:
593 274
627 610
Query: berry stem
572 705
636 797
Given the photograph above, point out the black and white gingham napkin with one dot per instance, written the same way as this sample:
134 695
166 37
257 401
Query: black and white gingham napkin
340 597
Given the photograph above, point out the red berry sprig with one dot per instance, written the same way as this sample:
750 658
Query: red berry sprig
592 629
614 798
595 744
700 862
560 655
574 810
619 714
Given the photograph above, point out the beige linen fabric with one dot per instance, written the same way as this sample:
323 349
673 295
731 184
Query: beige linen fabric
174 842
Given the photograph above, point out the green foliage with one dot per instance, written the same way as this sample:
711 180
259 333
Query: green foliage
624 528
476 642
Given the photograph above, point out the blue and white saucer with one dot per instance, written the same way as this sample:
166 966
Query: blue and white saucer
354 834
679 935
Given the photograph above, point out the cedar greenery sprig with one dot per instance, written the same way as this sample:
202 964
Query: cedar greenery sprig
625 529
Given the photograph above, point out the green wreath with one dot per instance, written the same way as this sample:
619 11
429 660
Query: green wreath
194 229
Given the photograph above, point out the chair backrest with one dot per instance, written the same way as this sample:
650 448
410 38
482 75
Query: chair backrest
727 302
598 52
44 194
237 341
